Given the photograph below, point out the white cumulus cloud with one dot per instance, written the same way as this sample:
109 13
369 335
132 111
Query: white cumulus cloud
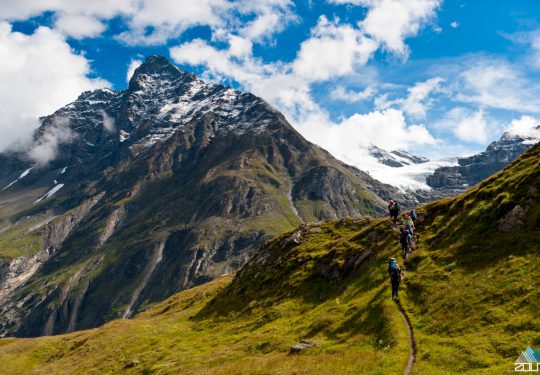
75 18
468 125
473 128
39 74
527 126
133 64
332 50
167 20
154 22
79 26
390 22
418 99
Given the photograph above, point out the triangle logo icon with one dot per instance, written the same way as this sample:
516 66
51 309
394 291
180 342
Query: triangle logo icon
529 355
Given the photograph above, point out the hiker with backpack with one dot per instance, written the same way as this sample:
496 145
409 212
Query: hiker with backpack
406 241
393 208
395 277
410 227
409 222
412 214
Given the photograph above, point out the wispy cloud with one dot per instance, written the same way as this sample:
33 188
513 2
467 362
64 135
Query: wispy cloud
497 84
45 149
133 64
418 99
342 94
108 122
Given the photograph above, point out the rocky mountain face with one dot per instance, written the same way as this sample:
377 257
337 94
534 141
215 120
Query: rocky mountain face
447 181
126 197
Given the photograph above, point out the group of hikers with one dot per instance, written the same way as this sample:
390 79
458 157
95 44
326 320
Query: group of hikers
407 240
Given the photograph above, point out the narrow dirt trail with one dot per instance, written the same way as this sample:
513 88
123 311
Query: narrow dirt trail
412 342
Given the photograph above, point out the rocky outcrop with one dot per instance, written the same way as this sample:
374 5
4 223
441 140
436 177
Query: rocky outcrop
301 346
61 228
18 272
21 269
113 223
513 220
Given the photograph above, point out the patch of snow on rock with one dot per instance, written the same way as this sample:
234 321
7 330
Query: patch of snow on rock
50 193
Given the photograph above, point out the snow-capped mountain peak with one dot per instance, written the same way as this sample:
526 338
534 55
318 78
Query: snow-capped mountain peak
160 99
526 136
157 67
395 158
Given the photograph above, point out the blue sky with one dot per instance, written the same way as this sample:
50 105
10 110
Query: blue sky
437 78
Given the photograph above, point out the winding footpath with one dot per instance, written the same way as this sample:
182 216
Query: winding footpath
412 342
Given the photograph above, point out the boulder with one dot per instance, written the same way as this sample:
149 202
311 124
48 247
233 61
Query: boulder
513 220
131 364
302 345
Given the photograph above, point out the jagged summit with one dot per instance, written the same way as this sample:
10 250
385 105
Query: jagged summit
160 100
157 64
157 67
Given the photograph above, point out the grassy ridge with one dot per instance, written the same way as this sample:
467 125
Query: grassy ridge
473 288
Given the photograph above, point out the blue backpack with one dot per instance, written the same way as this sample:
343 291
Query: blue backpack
394 271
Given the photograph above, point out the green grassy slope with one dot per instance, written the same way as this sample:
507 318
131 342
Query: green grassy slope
471 292
217 329
25 238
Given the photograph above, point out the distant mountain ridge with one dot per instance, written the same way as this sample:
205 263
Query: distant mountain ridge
395 158
127 197
471 170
